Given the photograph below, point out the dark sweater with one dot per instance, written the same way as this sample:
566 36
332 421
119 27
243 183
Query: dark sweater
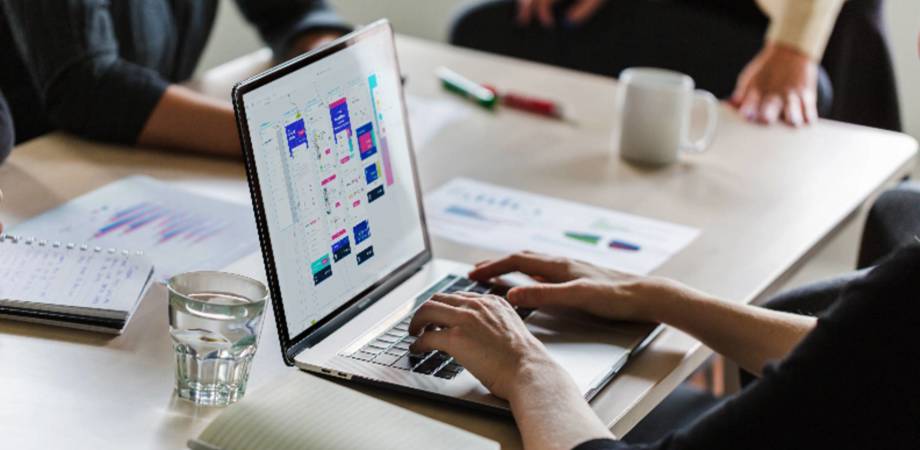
853 383
97 68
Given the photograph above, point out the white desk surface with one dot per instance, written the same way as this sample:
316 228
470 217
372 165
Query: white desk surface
764 198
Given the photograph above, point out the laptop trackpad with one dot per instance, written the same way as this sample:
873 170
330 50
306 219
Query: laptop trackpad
588 349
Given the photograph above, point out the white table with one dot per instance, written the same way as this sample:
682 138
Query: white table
764 198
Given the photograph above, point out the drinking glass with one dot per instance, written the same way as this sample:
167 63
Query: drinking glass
214 321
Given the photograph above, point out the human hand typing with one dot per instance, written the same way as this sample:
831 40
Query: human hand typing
779 83
485 335
574 284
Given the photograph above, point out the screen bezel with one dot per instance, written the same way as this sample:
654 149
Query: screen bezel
312 335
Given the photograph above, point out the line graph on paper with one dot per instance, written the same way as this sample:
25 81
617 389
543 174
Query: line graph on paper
177 229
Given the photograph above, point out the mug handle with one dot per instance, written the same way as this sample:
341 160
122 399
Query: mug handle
712 119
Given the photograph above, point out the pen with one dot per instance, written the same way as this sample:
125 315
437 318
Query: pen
458 84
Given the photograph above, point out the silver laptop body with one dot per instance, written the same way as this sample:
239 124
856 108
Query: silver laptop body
347 256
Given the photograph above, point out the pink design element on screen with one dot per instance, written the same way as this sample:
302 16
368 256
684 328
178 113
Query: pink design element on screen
365 141
338 234
387 166
327 180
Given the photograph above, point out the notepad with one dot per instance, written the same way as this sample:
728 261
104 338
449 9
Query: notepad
302 411
70 285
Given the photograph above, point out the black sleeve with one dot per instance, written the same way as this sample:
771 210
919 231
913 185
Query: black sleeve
602 444
280 21
71 54
853 382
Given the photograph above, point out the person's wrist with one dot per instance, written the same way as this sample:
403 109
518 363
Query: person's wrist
642 299
533 372
774 48
666 300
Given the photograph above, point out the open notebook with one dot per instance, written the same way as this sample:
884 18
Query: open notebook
303 411
70 285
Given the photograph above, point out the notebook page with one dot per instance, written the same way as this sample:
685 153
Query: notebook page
70 278
303 411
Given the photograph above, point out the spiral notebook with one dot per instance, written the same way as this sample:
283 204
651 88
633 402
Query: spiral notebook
71 285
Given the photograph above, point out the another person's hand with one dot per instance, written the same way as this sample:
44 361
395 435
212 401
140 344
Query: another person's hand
486 336
542 11
779 83
573 284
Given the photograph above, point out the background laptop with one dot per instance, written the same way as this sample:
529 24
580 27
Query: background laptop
338 205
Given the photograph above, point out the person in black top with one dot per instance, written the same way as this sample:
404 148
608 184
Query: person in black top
108 70
713 41
848 379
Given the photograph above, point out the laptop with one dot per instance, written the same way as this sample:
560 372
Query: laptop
336 195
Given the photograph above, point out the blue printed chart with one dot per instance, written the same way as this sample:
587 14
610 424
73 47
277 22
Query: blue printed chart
176 229
508 220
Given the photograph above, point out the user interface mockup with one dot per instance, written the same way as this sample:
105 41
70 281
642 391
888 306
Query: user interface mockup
333 160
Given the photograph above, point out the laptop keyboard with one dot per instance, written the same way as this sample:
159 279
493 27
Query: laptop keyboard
391 348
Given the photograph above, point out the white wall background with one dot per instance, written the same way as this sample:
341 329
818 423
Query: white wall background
903 17
430 18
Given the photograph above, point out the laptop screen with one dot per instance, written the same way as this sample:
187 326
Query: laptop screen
332 156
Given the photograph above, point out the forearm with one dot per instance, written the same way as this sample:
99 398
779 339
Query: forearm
749 335
184 119
804 25
550 412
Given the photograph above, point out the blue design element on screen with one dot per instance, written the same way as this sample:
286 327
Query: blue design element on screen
340 119
365 255
374 194
362 232
371 174
366 142
296 135
341 249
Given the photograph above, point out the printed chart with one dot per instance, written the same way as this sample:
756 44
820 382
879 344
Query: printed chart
508 220
177 230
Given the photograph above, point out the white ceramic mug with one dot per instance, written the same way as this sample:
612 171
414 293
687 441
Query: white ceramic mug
654 109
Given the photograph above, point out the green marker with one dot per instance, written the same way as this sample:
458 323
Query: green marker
458 84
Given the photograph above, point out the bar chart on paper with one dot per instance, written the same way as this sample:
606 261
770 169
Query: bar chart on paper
509 220
176 229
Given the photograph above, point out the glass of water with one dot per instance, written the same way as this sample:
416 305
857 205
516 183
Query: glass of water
214 321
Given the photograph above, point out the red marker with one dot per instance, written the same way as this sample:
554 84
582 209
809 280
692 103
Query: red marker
543 107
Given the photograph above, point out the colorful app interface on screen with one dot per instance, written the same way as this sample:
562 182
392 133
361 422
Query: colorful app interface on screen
333 163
